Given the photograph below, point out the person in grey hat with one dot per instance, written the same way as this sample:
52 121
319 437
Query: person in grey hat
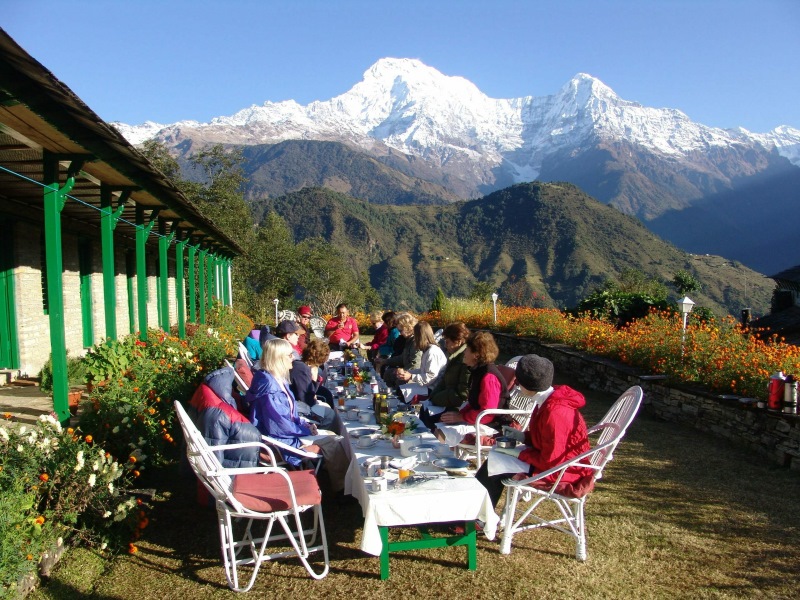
556 433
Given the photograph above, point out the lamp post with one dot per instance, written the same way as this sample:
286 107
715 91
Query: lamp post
275 302
685 305
494 305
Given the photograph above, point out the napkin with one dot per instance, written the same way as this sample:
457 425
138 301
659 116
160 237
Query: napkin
403 463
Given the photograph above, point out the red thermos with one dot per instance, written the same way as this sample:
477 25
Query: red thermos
776 384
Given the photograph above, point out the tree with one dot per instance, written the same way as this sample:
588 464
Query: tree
438 301
685 283
482 291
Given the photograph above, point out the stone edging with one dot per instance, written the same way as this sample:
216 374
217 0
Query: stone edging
771 435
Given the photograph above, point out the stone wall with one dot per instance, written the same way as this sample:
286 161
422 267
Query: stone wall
774 436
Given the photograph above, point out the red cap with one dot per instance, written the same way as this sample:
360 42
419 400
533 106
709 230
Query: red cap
304 311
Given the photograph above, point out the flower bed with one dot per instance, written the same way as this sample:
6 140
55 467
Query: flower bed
73 485
719 355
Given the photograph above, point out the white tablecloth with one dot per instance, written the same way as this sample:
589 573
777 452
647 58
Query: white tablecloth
441 499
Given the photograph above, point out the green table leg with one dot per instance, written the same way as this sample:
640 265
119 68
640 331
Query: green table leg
384 553
472 545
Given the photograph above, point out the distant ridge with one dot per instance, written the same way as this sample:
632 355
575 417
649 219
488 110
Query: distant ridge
551 239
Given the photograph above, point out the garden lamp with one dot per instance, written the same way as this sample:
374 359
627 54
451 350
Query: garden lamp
275 302
685 304
494 305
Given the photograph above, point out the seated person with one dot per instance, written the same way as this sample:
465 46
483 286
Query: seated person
380 337
307 377
416 382
304 315
220 422
450 392
273 406
487 390
409 358
342 330
290 331
386 349
557 433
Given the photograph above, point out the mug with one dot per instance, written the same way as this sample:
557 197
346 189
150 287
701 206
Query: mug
379 484
352 414
365 416
364 441
405 447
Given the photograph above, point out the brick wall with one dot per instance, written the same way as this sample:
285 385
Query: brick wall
773 436
33 325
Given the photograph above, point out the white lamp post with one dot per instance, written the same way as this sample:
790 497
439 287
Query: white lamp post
275 302
494 305
685 305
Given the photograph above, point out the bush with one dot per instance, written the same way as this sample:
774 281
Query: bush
56 485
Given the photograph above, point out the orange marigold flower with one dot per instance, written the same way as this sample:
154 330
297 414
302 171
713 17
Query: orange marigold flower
151 410
132 459
29 557
136 389
132 549
89 439
44 477
70 430
7 415
39 520
136 473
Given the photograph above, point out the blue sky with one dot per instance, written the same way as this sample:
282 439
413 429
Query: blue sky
725 63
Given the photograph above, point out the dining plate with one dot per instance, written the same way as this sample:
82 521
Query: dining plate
361 431
451 464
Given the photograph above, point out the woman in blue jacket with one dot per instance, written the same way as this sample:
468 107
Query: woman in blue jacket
273 406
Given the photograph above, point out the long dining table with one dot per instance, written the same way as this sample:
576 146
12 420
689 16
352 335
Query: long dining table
428 498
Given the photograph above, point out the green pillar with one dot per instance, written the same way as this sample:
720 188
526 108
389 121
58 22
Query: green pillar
210 290
226 280
54 200
180 294
142 232
130 273
201 272
192 285
163 273
108 222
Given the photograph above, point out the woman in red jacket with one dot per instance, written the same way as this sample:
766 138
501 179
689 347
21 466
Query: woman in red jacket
557 433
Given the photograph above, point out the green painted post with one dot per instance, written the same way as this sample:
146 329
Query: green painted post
54 200
142 232
163 274
226 280
201 272
192 285
130 273
210 290
180 294
9 340
108 222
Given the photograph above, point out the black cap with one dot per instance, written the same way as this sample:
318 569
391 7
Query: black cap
286 327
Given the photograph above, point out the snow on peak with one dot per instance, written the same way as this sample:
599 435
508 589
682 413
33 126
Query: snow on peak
416 109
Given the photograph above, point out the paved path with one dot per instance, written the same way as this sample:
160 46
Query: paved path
26 402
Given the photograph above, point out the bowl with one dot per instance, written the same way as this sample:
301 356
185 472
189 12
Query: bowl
505 442
365 416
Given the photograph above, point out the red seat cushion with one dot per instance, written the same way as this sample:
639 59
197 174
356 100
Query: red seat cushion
269 492
570 489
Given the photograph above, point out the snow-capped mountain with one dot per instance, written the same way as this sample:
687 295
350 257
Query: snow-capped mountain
654 163
413 108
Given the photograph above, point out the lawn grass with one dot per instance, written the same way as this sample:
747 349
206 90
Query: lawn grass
679 514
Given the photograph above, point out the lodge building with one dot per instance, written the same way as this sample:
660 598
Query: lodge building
95 242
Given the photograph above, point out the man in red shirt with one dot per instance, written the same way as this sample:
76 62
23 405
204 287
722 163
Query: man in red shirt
342 330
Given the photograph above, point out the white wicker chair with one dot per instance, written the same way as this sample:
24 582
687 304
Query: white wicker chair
286 315
243 387
528 494
318 326
244 354
258 497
